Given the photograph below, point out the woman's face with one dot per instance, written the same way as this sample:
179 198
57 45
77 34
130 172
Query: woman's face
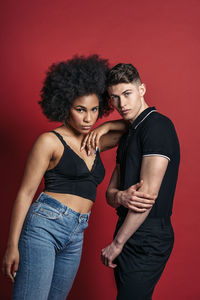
84 113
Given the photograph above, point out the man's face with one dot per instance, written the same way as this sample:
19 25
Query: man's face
127 99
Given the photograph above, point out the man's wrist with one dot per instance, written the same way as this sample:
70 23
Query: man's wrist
107 126
118 242
117 198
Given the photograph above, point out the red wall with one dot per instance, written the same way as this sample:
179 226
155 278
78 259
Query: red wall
162 39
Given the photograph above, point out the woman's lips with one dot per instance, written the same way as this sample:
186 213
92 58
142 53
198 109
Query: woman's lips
86 127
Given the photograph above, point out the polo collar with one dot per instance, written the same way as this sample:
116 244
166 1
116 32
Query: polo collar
142 117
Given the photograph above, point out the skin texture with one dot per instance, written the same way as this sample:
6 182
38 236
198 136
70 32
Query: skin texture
45 154
128 100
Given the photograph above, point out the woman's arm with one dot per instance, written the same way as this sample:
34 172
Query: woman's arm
37 164
105 136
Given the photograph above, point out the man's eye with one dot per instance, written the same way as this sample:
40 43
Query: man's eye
127 94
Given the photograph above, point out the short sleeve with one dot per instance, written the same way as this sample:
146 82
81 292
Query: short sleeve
157 138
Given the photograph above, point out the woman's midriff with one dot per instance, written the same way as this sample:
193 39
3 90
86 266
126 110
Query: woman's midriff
79 204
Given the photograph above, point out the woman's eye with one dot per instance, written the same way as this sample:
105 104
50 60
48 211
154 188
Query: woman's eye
79 109
114 98
95 109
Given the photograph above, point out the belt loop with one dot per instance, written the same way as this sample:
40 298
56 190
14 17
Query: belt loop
66 212
88 215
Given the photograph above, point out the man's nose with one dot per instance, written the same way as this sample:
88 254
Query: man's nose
122 102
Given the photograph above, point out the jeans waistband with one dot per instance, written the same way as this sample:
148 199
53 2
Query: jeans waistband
44 198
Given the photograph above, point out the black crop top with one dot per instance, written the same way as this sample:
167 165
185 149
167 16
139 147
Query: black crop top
72 176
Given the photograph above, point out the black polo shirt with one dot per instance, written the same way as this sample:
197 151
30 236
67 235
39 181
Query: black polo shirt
150 134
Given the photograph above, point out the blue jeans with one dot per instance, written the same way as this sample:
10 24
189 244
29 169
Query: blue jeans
50 249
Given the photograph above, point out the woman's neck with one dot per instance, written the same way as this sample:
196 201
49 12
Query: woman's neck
71 132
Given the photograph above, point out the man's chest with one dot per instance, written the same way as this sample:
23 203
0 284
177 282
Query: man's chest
130 157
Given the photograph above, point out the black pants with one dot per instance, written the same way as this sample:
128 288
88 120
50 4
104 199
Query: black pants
143 259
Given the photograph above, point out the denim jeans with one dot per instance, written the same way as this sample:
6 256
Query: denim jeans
50 249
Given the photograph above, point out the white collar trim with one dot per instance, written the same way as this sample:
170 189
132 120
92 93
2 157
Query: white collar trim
154 110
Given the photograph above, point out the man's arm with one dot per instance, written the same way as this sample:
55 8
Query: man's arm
131 198
152 172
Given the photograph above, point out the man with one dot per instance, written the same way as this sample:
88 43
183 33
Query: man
149 151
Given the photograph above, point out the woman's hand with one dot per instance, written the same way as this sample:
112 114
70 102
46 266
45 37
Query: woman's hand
10 262
91 140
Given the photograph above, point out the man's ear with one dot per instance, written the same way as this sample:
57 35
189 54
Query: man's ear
142 89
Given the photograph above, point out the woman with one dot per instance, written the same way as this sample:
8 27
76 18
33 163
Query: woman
45 241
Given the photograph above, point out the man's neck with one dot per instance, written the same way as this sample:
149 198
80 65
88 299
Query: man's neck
143 107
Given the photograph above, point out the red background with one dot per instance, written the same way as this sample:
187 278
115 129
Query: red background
161 38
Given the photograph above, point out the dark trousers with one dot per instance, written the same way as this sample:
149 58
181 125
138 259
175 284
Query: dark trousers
143 259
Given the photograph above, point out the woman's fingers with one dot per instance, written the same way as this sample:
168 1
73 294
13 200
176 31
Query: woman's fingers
84 141
97 141
7 271
94 140
15 268
90 142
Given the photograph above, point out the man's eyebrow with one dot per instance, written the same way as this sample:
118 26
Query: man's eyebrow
128 90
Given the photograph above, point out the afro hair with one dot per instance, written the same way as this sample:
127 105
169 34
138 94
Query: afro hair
68 80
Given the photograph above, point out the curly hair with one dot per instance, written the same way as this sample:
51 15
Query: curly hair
68 80
123 73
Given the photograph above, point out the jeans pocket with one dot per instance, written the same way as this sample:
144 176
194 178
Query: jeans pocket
84 224
47 212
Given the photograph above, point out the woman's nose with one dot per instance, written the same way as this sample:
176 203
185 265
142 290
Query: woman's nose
87 117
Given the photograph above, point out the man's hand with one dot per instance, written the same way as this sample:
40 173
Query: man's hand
109 253
135 200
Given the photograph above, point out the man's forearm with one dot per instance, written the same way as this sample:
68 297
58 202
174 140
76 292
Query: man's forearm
152 172
131 223
117 125
112 197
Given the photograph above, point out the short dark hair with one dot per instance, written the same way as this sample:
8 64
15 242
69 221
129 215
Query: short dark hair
73 78
123 73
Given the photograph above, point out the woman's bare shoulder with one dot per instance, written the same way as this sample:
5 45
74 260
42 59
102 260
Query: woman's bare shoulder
46 141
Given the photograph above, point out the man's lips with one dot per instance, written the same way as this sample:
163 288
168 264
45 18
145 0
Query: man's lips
125 111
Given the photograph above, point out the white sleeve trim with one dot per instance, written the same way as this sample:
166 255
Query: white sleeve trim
157 154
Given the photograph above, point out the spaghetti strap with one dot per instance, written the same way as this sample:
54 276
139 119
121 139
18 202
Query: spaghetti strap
59 136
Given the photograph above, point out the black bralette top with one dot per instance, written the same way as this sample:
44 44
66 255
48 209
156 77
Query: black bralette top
72 176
